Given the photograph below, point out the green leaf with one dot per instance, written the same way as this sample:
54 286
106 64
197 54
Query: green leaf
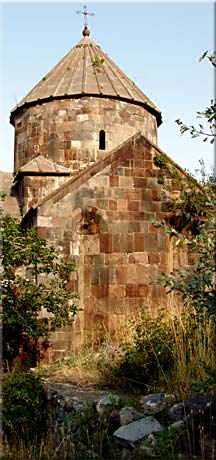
203 56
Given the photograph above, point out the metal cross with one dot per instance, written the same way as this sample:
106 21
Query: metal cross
85 13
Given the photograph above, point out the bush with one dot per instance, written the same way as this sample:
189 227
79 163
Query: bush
150 355
173 353
24 407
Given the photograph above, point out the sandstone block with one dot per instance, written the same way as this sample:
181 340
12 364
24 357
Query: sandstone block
138 242
106 243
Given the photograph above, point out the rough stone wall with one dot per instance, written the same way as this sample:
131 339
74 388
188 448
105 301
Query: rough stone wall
67 131
103 220
32 189
10 204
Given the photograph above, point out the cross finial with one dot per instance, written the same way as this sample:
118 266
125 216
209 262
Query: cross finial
85 14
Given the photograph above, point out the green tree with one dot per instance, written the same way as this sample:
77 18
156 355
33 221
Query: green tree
196 283
194 211
34 276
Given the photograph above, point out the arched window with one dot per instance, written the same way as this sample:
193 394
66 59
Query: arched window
102 140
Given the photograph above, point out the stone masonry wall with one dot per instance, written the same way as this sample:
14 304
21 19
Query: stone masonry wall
67 131
32 189
103 220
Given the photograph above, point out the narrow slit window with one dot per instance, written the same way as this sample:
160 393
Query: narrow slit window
102 143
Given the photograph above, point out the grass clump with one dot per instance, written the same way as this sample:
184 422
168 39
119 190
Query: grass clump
174 354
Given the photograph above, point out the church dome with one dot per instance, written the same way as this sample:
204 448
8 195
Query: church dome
83 107
86 71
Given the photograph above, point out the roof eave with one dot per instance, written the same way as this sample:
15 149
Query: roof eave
28 104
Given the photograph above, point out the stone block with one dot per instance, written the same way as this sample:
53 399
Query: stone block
133 205
119 193
114 181
106 243
44 221
143 290
99 181
87 277
82 117
121 274
41 232
95 276
88 260
142 273
98 259
140 182
104 275
133 227
116 291
134 194
131 274
149 216
120 227
126 243
101 203
146 206
99 291
146 195
116 242
150 242
138 258
132 290
138 242
112 205
92 244
153 228
116 258
154 258
144 227
121 205
125 181
156 194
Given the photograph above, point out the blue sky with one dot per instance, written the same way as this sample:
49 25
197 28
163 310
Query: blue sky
156 44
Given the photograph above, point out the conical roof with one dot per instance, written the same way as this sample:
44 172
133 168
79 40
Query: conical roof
86 70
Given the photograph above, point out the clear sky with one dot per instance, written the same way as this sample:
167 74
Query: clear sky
156 44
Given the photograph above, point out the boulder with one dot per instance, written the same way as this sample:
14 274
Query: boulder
137 430
129 414
176 412
155 403
178 426
200 410
107 402
200 419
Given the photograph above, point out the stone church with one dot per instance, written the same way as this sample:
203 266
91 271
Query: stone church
88 173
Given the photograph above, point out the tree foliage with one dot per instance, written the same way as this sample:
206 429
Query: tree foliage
196 207
24 407
34 277
196 283
194 210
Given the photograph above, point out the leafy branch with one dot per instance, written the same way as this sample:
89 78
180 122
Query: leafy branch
208 115
33 277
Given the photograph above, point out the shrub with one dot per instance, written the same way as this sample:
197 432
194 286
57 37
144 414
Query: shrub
24 407
149 357
175 353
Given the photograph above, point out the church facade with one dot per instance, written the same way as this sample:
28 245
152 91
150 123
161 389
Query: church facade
89 175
